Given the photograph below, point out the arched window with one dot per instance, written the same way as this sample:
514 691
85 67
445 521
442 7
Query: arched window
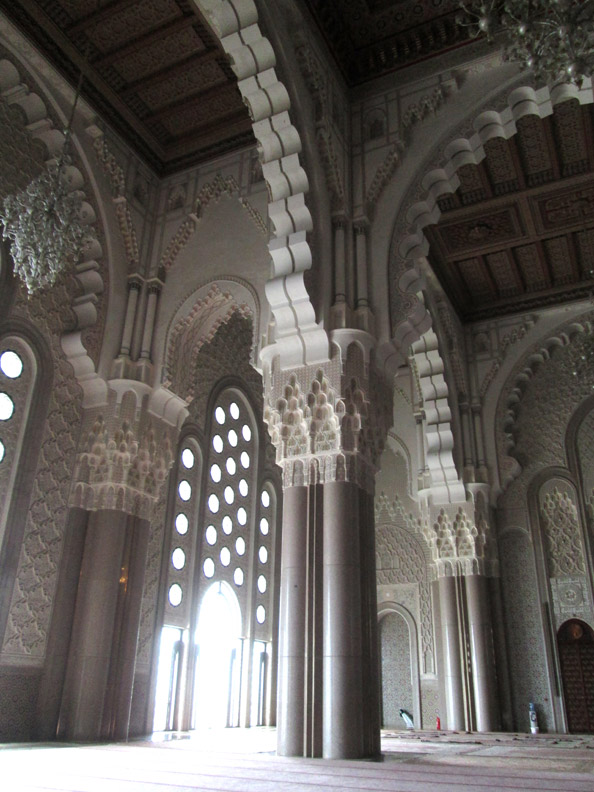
223 529
18 374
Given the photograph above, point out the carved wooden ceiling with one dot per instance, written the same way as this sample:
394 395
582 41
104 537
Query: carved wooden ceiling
152 67
369 38
519 231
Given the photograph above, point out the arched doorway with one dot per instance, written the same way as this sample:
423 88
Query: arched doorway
399 667
217 681
575 641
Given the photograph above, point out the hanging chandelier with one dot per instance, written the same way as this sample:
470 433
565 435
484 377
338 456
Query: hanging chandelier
553 38
45 222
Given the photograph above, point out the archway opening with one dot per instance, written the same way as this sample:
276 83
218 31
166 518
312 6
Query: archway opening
575 641
397 685
217 682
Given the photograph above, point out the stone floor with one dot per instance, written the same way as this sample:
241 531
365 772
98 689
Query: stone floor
244 761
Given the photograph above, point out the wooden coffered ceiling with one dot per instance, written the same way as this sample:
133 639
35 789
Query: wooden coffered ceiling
152 67
519 231
369 38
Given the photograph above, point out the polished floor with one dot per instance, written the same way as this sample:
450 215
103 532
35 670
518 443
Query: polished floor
244 761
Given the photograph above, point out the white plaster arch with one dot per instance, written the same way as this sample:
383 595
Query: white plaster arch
299 339
414 329
39 126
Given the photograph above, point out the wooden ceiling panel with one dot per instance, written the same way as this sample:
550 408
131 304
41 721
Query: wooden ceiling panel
535 234
132 22
373 37
152 67
533 270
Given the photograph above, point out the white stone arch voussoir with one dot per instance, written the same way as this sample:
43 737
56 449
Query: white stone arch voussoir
415 329
39 126
299 339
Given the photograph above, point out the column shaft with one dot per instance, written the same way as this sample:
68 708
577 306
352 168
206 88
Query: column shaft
452 657
149 323
484 679
361 250
339 262
292 624
343 737
133 292
87 675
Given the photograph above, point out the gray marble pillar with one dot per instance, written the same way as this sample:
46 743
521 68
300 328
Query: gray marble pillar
97 693
292 624
87 674
343 722
452 655
484 678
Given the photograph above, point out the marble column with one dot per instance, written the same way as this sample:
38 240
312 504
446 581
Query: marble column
371 655
343 722
484 679
452 655
87 675
361 253
338 224
292 624
134 286
154 289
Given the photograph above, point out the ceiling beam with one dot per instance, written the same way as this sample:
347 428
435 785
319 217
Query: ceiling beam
98 16
143 41
169 72
218 90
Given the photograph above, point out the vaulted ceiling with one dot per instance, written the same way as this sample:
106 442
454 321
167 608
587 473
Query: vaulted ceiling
152 67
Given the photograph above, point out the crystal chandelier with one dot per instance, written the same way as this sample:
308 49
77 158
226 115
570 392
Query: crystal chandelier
45 222
554 38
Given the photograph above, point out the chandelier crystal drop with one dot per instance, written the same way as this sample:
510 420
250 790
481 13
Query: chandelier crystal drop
554 38
45 224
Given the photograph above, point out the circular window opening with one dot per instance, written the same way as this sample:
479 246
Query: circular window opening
6 407
220 415
241 516
265 498
260 614
231 466
178 558
213 503
181 523
229 495
240 545
211 535
175 595
227 524
246 432
245 459
234 410
238 577
208 567
11 364
215 473
187 458
217 443
264 526
261 584
263 555
232 437
1 450
185 490
225 556
243 488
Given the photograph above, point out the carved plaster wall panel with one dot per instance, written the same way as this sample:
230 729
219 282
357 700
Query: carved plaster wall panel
524 628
